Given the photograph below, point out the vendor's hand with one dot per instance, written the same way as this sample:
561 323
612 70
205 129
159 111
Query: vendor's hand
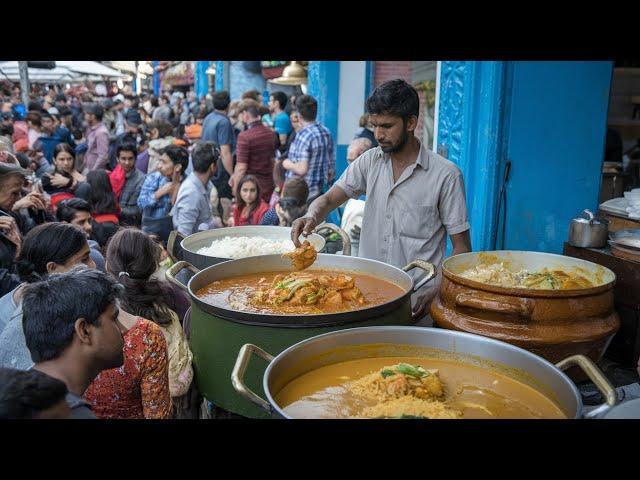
31 200
302 226
422 306
58 180
9 227
355 233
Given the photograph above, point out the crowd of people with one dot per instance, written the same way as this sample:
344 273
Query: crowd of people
90 189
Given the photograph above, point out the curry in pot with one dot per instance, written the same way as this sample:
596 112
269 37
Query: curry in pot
411 387
303 292
545 279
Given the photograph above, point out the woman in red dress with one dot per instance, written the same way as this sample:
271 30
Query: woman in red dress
140 387
249 208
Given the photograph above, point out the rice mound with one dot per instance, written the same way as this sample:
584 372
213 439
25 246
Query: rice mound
374 387
410 407
392 394
242 247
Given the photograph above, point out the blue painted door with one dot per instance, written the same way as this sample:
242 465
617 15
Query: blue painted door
555 127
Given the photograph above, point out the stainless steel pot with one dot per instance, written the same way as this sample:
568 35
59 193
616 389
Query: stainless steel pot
590 232
180 247
354 343
272 263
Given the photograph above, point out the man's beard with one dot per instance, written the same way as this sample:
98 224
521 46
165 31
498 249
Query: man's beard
398 146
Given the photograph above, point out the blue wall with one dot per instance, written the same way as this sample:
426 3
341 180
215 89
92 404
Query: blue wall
556 127
242 80
324 85
201 86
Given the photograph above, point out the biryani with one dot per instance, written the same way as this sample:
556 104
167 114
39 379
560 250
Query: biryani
410 407
545 279
402 390
242 247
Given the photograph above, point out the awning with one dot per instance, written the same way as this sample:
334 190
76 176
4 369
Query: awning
91 68
36 75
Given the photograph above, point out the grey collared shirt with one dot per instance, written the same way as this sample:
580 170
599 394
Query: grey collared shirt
193 206
408 219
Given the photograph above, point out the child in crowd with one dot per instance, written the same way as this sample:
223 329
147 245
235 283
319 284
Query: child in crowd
296 193
249 208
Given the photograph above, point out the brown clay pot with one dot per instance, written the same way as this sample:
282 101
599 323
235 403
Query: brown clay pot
553 324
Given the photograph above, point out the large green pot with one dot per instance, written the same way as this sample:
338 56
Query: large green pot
218 333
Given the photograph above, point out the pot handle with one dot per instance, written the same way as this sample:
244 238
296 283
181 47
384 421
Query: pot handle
171 245
427 267
176 268
517 306
596 376
239 370
346 241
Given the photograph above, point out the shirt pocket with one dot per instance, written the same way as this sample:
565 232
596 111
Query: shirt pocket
419 222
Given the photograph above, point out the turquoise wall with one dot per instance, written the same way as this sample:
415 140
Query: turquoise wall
547 118
556 129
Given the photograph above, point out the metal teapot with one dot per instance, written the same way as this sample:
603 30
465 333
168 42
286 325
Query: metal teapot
590 232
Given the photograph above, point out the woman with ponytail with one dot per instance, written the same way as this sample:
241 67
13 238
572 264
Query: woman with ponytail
48 248
157 362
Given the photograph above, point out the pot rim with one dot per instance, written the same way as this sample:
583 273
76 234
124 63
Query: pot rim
218 233
310 321
490 341
525 292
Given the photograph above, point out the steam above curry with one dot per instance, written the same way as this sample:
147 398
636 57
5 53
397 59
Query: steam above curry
304 292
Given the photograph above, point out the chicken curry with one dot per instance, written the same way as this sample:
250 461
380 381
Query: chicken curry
411 387
301 292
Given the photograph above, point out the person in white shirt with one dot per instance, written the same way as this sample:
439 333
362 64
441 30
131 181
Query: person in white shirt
354 209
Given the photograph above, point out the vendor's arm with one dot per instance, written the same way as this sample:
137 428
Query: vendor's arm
461 242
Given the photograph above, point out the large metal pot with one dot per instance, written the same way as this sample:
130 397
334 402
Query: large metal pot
186 248
355 343
554 324
217 333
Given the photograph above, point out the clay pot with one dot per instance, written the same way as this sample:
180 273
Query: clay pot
553 324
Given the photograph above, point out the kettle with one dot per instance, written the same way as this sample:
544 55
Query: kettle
590 232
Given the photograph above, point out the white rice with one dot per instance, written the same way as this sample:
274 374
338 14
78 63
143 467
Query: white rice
242 247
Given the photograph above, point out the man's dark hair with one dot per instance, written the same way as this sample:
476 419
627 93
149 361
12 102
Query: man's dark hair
395 97
50 242
178 155
221 100
281 98
127 145
61 97
51 308
46 114
250 106
67 209
204 155
307 107
34 106
26 393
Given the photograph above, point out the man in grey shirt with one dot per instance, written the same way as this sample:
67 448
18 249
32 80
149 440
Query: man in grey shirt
72 330
414 196
192 210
